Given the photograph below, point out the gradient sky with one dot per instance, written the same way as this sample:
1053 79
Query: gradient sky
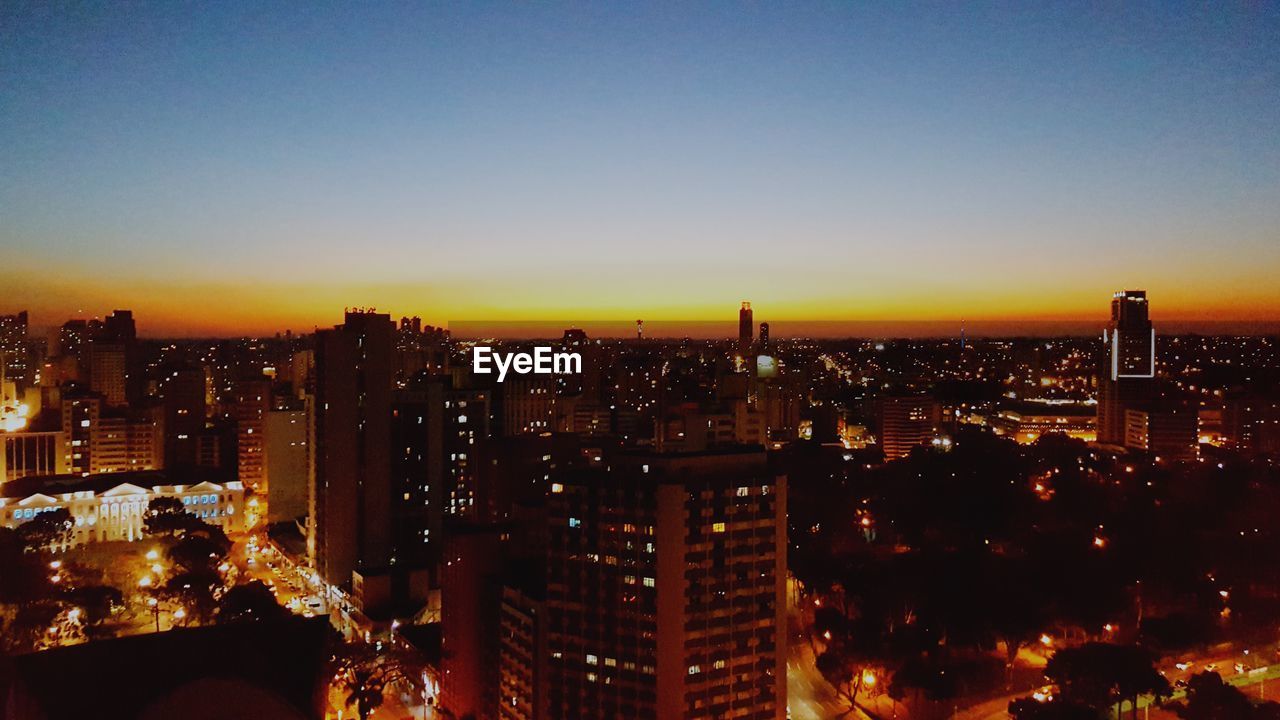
245 167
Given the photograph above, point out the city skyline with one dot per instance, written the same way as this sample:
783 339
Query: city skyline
980 163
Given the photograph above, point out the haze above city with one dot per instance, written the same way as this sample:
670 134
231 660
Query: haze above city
1000 164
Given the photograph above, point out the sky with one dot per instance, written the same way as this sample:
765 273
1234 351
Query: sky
239 168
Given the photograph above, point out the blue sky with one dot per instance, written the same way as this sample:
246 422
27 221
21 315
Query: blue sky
838 160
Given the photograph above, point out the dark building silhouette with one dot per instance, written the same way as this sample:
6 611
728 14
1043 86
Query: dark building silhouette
351 513
745 329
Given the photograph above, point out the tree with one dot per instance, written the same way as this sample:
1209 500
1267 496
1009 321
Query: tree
1103 674
249 601
46 531
196 592
195 551
166 516
99 604
365 674
1209 698
853 660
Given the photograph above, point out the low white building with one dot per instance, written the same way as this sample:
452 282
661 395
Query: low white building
113 506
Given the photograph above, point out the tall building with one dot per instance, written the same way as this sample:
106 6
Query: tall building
1128 365
745 329
907 421
288 464
528 404
522 654
250 401
666 588
764 337
351 517
182 393
98 439
13 348
108 371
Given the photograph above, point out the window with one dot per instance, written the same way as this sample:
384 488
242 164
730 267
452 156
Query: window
592 659
695 669
649 582
557 488
575 522
717 527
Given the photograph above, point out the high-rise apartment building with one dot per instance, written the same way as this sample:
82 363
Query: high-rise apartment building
351 513
666 588
250 402
182 392
288 463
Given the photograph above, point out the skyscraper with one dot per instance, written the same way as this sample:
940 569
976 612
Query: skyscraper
666 588
1132 339
746 329
1128 363
764 337
351 518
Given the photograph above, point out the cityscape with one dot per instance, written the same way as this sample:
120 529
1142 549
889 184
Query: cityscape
578 362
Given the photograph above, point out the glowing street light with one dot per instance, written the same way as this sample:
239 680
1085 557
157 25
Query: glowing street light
145 581
152 554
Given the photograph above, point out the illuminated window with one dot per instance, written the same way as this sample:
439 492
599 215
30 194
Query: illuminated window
717 527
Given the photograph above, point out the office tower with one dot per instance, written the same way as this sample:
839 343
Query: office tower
907 421
1128 363
250 401
13 349
108 371
352 415
287 463
182 393
666 588
745 329
764 337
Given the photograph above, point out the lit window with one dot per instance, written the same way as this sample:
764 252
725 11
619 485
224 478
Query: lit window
717 527
557 487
